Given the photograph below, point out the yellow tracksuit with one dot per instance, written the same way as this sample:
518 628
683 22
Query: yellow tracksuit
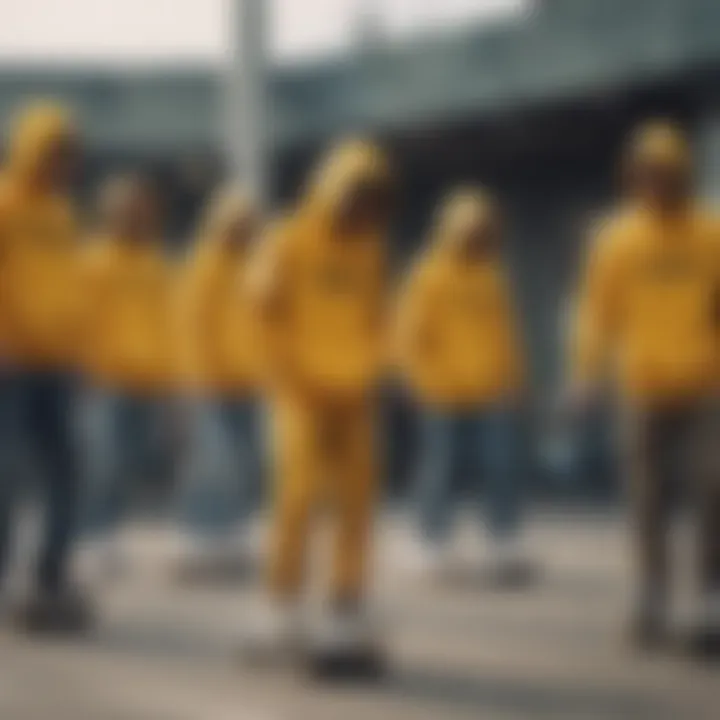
127 341
39 298
321 305
221 352
647 315
647 309
457 337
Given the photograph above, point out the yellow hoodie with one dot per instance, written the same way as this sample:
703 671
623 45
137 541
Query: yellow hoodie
321 296
128 322
647 309
456 332
215 313
39 300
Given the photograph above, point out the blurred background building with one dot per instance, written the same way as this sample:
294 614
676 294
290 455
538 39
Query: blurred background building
532 97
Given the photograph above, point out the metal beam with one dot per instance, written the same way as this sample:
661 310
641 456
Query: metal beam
245 98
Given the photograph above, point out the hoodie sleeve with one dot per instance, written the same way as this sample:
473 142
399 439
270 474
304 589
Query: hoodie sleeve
510 325
595 316
415 317
268 279
3 250
196 303
94 271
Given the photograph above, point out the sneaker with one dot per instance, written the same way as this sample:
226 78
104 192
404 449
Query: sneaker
274 634
509 566
102 560
61 613
346 645
113 562
705 634
5 604
214 560
648 629
428 560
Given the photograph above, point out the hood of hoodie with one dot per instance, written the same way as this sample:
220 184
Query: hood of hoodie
660 142
346 168
34 134
461 212
228 206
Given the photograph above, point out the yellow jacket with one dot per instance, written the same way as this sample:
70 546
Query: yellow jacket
321 297
128 330
39 299
457 339
647 308
217 321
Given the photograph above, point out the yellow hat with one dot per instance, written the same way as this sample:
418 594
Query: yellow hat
659 142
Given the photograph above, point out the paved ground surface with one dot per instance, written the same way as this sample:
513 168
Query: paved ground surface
457 651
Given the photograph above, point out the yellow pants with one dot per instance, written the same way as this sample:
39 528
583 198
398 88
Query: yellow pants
323 458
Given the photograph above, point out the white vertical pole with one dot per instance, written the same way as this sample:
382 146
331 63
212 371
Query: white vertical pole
245 112
707 136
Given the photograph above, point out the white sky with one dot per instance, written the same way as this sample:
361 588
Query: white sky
112 32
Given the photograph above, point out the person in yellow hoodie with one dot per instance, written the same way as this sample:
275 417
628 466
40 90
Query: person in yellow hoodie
459 349
39 310
320 292
647 325
127 349
220 356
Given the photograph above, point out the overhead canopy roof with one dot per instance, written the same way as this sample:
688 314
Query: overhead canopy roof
569 48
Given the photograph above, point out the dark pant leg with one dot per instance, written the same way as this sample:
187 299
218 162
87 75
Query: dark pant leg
239 426
143 447
440 457
215 490
710 541
7 503
9 412
495 435
654 437
50 398
111 460
705 458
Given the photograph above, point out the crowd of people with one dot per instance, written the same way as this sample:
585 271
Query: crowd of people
297 318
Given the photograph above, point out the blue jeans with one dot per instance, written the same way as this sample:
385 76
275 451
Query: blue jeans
37 418
222 475
481 447
123 448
